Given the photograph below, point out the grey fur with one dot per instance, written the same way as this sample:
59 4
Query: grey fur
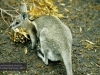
55 38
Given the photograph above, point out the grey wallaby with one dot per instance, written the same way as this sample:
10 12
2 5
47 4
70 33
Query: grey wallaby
55 37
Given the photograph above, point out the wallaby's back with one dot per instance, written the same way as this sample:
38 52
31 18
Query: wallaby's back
56 29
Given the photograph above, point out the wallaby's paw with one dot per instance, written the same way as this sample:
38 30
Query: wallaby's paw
40 55
43 59
46 62
32 47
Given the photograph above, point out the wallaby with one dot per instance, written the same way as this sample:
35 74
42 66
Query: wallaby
55 38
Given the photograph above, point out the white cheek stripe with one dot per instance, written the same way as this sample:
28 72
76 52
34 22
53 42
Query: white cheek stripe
34 23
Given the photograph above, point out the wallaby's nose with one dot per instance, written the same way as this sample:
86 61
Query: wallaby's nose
10 26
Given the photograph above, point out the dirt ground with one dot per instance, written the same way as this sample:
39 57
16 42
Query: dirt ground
83 18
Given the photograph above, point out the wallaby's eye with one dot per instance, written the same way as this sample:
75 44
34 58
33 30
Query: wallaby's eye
17 23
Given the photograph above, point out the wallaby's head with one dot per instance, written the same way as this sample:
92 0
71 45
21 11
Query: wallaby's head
22 19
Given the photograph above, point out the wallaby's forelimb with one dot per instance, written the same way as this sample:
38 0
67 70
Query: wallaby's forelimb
33 38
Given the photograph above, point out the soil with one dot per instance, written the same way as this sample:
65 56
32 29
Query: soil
83 18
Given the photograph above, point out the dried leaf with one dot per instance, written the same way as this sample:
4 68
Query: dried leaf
25 50
60 15
25 34
70 0
80 29
14 36
89 42
16 30
43 7
89 46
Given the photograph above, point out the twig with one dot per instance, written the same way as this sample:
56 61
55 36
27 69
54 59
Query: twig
8 4
2 10
4 33
13 10
3 18
7 12
88 42
11 6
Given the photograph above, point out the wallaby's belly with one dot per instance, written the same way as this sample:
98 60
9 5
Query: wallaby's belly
53 57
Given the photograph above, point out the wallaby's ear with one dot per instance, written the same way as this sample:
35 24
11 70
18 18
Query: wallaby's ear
23 8
24 15
23 11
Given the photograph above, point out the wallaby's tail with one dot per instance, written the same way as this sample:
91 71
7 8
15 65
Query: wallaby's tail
66 56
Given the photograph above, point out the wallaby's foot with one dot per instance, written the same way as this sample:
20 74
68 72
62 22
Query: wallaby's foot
44 60
33 44
32 47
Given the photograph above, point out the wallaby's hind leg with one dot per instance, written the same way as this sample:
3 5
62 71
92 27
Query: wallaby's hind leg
45 58
44 49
